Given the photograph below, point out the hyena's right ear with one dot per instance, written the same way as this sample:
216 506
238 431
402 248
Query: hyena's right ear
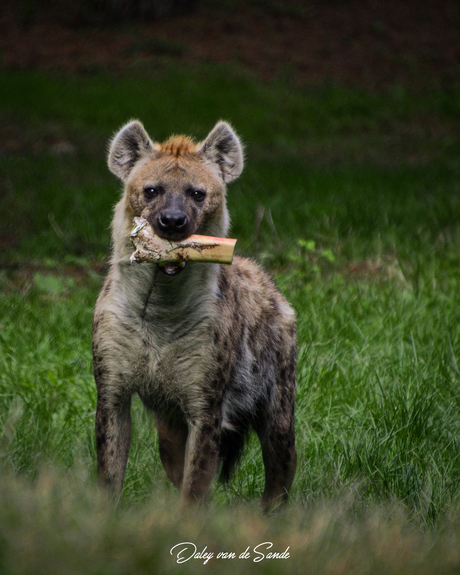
128 146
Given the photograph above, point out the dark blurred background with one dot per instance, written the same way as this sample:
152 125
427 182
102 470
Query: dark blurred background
370 43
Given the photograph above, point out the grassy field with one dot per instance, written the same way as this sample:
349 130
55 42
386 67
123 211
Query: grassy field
352 201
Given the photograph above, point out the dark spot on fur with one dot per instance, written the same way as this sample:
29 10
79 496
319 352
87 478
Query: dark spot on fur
208 429
238 391
100 441
283 402
107 286
98 372
223 283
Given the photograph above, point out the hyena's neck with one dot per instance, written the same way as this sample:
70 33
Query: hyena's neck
154 297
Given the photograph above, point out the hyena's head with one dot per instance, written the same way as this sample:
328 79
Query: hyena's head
178 186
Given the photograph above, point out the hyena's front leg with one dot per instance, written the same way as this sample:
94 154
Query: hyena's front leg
201 458
113 438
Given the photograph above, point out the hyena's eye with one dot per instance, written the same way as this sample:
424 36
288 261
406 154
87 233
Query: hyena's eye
197 195
151 192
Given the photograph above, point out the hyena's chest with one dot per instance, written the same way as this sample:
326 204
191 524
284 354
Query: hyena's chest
165 357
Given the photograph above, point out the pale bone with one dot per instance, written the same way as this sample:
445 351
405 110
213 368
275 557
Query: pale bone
152 248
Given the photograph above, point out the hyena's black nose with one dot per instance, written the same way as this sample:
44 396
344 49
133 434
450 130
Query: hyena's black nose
172 220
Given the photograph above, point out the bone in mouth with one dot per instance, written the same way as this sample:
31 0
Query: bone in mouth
152 248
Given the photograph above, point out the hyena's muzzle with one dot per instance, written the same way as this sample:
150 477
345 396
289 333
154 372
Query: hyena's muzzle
171 222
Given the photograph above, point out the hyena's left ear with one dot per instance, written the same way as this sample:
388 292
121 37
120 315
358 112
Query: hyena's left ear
223 148
128 146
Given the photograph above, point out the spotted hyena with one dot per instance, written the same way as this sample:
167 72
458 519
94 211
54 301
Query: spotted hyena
210 349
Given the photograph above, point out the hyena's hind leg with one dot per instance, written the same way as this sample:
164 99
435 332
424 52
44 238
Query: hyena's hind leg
280 462
172 443
277 437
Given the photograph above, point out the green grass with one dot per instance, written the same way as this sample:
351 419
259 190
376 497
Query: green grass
352 201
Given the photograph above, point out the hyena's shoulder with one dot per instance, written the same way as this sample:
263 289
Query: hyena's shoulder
249 296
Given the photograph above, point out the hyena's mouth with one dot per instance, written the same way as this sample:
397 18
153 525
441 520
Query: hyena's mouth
172 268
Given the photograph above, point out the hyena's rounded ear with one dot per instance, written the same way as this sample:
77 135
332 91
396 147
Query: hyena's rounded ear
129 145
223 148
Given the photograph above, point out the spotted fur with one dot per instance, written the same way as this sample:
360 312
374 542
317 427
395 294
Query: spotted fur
211 350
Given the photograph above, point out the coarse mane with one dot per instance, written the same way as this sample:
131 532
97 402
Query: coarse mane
178 146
